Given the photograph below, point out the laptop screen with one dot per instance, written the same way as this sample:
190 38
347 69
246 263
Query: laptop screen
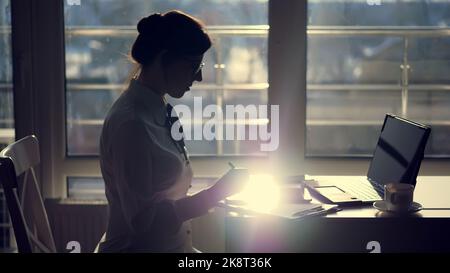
399 151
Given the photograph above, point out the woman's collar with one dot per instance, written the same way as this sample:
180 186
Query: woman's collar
151 100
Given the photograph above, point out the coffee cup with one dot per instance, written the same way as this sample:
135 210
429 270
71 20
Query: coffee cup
398 196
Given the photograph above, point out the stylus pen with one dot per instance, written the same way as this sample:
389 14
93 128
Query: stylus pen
322 212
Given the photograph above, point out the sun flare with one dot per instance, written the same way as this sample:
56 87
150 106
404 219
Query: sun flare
261 193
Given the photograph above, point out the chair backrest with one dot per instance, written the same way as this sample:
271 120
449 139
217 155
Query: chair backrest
21 189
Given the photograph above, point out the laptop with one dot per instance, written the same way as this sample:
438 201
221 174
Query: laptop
397 158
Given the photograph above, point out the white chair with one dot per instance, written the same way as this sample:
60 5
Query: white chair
28 215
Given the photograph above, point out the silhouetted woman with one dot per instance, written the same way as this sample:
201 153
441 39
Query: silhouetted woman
146 172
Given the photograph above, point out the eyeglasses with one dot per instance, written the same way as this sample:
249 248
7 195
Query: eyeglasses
199 68
196 68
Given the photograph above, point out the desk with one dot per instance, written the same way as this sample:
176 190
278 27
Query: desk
351 229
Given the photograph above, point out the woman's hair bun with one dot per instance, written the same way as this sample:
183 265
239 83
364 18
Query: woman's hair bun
151 24
173 31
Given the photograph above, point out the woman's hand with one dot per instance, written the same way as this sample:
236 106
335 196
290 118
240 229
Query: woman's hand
230 183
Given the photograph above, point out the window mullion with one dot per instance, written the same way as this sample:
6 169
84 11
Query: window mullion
48 91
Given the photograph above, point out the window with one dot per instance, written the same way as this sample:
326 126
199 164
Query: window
393 56
316 121
100 33
6 108
6 90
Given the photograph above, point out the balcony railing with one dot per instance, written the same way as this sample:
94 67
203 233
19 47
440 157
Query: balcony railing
262 31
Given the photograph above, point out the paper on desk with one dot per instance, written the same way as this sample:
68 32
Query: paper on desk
286 210
296 211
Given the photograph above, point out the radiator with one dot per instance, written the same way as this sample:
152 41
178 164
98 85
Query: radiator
77 225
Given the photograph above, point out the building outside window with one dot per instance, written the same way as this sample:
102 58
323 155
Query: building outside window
368 58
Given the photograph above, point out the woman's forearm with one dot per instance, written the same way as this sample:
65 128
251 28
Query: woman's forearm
196 205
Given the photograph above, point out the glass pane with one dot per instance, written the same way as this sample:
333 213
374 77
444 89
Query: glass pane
432 107
246 97
6 88
369 58
86 110
99 35
245 59
347 123
7 134
378 13
124 13
87 188
429 59
97 59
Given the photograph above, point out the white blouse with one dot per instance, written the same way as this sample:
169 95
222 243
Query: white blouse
144 171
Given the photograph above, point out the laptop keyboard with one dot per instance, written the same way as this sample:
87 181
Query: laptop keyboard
363 191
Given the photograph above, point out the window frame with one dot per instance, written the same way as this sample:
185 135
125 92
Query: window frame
39 103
